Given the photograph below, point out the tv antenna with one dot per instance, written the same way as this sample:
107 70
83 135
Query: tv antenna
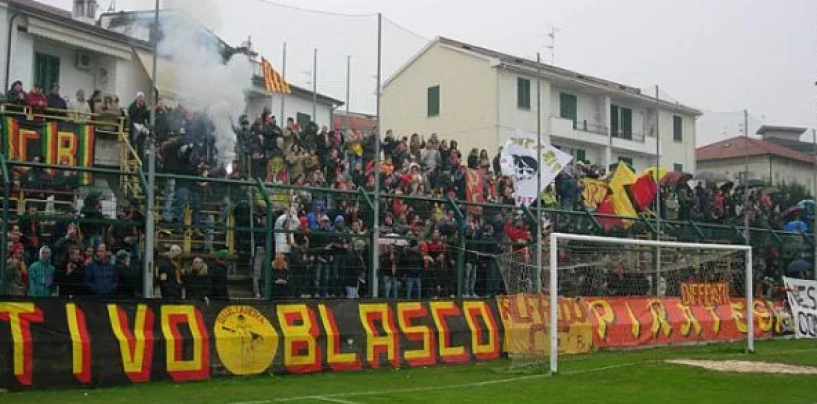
551 46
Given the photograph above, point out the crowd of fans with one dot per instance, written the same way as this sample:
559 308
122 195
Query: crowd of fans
321 239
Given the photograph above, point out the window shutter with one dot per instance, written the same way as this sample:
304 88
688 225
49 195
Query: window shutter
433 101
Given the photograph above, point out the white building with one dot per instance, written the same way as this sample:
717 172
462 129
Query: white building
479 96
49 46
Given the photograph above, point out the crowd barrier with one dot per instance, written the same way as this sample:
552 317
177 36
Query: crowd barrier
56 343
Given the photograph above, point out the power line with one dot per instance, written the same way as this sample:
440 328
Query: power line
308 10
407 30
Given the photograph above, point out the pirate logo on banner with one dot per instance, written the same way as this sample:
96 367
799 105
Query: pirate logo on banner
520 161
245 340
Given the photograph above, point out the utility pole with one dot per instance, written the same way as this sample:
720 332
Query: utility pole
374 284
814 205
282 121
315 86
658 196
150 221
539 241
747 233
348 85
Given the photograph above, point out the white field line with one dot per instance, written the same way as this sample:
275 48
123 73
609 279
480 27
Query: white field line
430 388
480 384
337 400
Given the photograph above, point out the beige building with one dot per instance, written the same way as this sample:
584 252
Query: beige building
479 97
768 161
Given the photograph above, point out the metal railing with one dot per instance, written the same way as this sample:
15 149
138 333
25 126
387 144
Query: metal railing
247 212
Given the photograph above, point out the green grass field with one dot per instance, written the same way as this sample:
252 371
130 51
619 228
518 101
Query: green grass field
606 377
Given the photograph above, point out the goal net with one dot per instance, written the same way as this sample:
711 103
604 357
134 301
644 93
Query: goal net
609 293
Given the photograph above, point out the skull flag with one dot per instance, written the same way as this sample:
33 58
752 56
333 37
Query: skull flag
520 161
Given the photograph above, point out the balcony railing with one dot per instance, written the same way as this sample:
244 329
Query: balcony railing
628 135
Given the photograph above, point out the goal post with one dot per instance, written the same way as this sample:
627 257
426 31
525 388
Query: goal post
640 280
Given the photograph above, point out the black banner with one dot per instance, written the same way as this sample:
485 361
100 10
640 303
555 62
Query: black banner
57 343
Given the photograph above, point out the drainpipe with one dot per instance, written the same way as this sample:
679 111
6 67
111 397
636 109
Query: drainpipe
8 49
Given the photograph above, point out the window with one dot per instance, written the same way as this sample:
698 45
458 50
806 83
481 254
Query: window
303 120
522 93
46 70
678 167
621 122
568 107
626 160
677 128
434 101
581 155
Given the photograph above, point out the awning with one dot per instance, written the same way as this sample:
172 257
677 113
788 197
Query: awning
78 39
166 82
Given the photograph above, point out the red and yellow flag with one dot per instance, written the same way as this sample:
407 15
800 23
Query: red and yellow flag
273 82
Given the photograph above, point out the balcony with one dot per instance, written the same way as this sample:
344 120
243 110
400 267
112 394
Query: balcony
628 135
581 130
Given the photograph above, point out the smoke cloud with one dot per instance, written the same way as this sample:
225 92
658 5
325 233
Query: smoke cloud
204 82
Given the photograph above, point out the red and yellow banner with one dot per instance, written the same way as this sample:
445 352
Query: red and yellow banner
57 143
474 189
704 294
593 192
632 322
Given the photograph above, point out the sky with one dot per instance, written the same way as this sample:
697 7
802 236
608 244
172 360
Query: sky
719 56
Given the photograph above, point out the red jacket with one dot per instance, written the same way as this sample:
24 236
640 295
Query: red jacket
516 236
37 101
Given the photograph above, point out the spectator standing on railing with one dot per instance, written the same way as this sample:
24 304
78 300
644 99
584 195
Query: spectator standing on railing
388 269
17 271
322 243
434 256
138 122
413 263
100 274
162 126
33 183
32 233
71 273
473 237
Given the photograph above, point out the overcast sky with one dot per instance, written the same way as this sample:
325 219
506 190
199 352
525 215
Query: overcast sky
715 55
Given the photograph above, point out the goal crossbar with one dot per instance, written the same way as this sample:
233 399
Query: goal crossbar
553 281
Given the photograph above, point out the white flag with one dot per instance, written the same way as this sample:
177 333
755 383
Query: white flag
519 161
803 303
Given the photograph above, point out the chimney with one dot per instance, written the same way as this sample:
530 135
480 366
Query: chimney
85 11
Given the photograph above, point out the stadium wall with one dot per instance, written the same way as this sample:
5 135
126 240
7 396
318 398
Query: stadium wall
55 343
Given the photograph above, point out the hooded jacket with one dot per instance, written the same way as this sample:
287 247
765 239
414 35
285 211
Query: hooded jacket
41 275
